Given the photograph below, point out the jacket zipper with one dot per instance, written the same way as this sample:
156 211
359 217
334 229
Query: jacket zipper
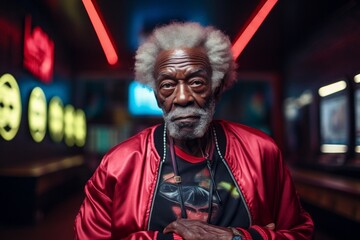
227 167
233 178
156 187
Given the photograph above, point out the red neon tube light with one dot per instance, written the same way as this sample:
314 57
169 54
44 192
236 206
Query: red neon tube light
101 32
252 27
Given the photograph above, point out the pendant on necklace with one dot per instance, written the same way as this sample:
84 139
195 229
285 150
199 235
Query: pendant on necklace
177 179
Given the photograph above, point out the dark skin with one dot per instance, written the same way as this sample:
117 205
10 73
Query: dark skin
183 78
195 229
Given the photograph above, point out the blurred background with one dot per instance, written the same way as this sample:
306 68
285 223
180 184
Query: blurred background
67 95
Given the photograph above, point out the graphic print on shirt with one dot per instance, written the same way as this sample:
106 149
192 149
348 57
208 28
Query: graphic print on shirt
227 209
195 196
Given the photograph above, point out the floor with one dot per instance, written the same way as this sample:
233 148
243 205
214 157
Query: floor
57 224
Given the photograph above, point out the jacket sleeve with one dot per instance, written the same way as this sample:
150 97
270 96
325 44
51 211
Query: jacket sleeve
94 219
290 219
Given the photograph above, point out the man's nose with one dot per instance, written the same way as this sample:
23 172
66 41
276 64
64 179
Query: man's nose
183 95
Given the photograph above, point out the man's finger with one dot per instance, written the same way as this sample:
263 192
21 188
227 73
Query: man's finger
270 226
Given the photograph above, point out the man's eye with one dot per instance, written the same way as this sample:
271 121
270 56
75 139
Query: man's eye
166 85
197 82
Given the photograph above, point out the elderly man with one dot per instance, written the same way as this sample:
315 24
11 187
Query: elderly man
191 177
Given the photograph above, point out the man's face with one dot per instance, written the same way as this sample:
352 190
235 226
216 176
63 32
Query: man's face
183 91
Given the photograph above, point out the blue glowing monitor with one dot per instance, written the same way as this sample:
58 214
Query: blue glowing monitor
142 101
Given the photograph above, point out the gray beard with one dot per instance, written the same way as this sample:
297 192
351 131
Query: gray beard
198 129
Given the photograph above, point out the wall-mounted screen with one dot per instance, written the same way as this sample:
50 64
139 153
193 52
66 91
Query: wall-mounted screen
334 118
357 120
142 101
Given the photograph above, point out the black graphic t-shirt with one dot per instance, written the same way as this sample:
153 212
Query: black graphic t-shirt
227 206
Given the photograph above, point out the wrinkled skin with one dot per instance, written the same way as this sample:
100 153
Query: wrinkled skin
183 91
197 230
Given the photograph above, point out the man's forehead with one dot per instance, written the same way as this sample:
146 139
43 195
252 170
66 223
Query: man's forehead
183 55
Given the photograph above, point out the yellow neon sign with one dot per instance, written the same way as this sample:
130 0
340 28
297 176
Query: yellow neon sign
69 125
56 119
10 107
37 114
68 121
80 128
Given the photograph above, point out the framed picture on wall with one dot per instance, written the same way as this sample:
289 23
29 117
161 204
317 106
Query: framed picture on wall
252 101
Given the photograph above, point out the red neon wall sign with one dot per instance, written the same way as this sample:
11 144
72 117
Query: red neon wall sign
258 18
38 52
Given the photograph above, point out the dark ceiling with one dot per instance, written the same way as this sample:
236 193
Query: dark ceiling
128 20
287 26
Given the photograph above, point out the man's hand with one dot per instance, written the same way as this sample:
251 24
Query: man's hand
198 230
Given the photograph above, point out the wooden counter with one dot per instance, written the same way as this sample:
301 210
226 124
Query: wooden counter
338 194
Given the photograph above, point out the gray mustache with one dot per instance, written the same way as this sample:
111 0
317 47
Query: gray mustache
188 111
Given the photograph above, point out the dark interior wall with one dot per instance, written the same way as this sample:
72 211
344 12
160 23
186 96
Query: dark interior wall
22 148
331 53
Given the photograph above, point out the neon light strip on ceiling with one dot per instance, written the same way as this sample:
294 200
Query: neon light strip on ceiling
252 27
101 32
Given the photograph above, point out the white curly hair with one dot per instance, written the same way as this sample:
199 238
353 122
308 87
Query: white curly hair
187 35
